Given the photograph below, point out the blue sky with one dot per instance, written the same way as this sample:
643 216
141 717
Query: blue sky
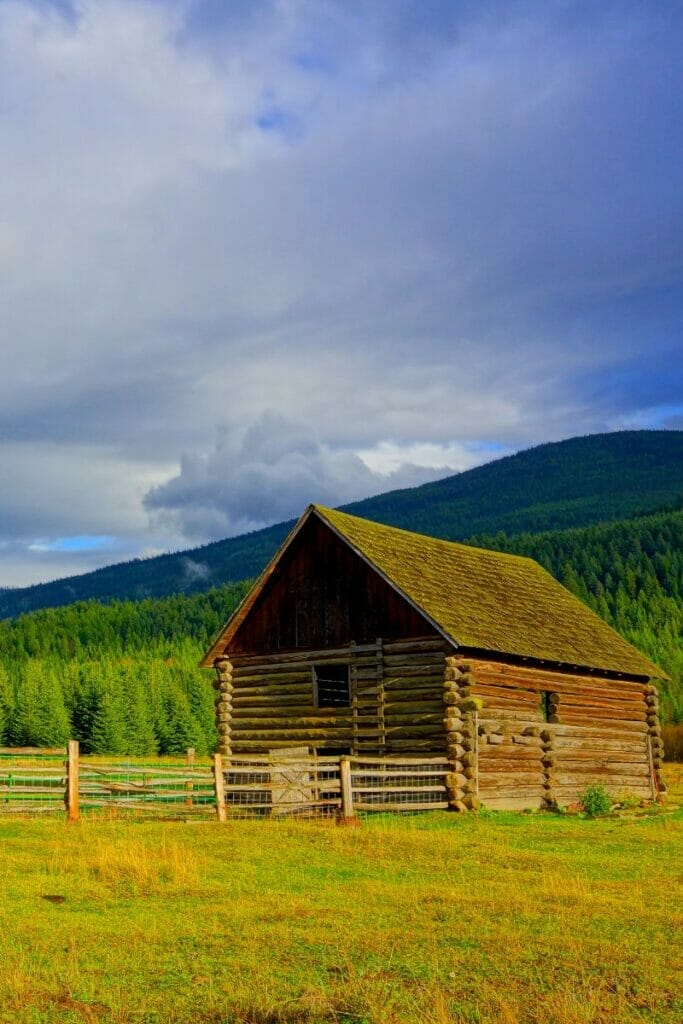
258 253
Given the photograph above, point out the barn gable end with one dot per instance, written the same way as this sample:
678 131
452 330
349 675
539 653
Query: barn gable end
324 595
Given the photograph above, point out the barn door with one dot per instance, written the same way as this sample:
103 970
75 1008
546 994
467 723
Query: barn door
292 781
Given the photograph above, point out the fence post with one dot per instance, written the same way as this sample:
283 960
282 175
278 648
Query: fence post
219 787
346 787
72 781
190 757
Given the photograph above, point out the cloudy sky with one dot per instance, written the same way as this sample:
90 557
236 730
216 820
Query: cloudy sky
259 252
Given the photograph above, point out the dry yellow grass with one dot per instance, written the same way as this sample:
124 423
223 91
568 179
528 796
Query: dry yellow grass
526 919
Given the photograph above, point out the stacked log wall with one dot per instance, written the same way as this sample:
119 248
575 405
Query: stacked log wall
593 730
396 704
412 703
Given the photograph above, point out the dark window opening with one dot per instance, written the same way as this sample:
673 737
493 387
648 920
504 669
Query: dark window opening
545 705
331 687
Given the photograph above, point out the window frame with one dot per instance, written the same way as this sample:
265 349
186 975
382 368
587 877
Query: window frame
345 665
545 704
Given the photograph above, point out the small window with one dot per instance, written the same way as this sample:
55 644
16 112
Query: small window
545 705
331 686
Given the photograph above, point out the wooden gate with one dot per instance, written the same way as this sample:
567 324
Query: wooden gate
292 783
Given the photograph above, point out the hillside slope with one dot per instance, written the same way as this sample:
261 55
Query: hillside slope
570 483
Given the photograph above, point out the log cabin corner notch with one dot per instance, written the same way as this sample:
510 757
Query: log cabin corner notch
365 639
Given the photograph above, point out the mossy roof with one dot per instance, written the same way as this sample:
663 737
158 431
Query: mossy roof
491 601
478 599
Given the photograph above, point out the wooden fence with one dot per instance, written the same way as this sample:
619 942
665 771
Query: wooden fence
300 784
283 784
32 781
40 781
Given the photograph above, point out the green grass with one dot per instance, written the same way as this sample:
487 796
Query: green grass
432 919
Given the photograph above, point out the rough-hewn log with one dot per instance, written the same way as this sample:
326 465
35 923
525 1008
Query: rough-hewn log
495 751
413 707
418 644
577 716
271 710
285 658
610 745
496 715
322 721
416 745
273 681
397 688
283 701
415 681
455 780
575 700
406 731
599 768
624 731
491 767
416 718
511 803
511 694
516 779
551 680
277 690
313 736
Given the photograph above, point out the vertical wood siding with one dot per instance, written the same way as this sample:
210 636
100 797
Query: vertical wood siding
324 595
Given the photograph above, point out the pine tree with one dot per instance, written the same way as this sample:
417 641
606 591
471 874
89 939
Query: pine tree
6 704
53 725
39 718
141 738
180 730
108 728
23 726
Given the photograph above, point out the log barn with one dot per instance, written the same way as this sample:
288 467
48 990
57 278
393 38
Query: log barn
364 639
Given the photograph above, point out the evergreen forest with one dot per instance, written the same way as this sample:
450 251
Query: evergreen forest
122 677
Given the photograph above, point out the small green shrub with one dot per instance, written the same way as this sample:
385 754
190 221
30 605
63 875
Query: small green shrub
596 800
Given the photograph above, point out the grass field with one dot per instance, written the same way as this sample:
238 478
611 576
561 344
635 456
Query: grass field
433 919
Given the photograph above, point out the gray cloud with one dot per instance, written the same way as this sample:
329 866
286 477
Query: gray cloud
266 474
392 224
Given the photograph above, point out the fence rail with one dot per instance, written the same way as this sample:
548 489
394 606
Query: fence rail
33 782
346 786
281 784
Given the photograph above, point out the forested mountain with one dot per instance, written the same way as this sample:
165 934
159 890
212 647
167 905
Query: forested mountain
569 483
123 677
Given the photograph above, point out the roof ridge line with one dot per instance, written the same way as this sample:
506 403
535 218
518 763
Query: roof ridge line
424 536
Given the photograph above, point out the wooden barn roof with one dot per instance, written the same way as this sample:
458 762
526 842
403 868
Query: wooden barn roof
478 599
